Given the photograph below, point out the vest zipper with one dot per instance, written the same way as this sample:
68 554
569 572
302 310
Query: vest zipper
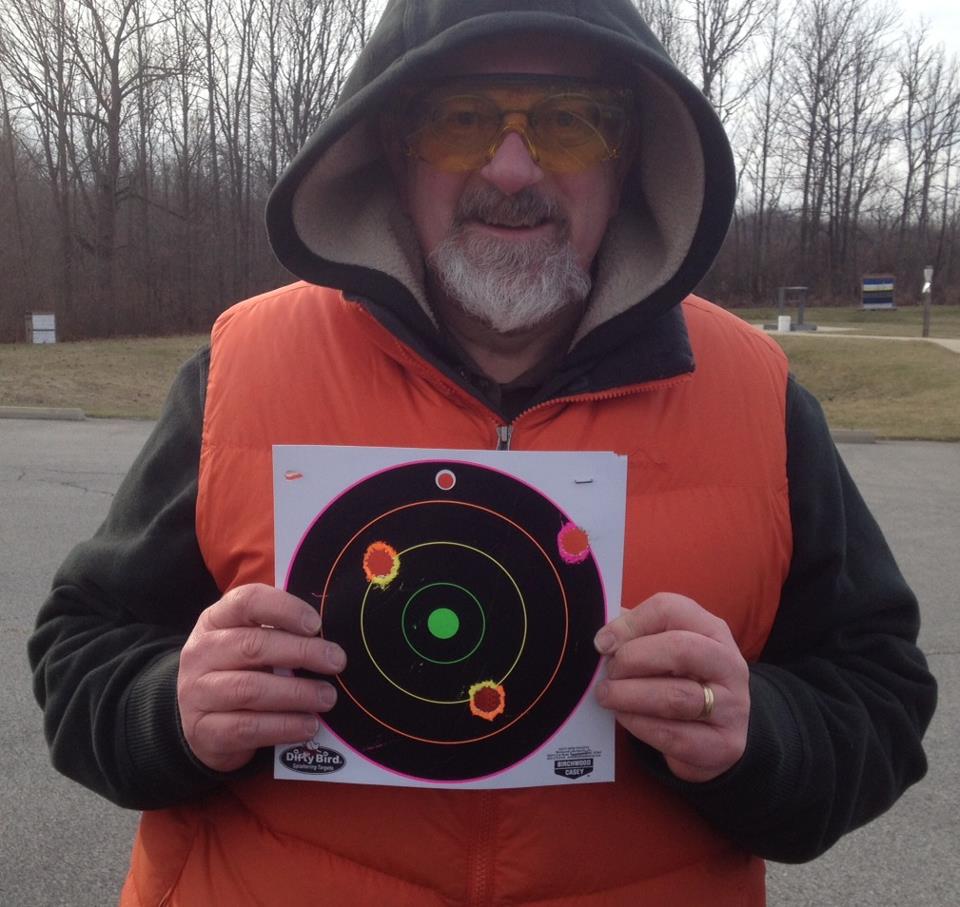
612 394
480 891
505 432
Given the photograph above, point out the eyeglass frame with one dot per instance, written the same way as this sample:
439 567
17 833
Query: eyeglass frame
404 111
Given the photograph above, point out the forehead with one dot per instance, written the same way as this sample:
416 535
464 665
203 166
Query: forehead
524 53
518 91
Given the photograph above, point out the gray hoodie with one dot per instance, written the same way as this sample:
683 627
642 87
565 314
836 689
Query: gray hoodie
334 218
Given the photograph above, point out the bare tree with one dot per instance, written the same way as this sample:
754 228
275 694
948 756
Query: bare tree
948 234
816 61
14 265
144 125
670 22
209 29
948 247
237 50
185 132
311 43
8 152
106 39
139 139
35 54
928 133
724 30
764 167
857 112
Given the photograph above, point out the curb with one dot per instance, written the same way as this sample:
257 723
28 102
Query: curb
853 436
65 414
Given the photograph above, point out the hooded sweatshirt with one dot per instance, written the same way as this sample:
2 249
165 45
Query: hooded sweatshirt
840 695
334 218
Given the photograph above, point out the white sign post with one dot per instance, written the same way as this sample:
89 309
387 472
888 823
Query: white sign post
927 283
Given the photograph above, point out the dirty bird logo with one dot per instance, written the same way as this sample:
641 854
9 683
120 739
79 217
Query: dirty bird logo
312 760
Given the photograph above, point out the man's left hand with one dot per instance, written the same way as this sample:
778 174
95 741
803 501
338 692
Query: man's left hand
661 656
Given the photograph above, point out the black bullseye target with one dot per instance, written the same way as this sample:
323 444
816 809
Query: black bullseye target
467 624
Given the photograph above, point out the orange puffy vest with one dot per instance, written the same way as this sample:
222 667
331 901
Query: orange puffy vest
707 516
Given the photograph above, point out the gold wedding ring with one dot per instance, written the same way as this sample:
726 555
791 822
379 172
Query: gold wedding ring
709 699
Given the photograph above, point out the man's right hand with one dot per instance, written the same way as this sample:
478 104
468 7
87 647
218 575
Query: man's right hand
231 703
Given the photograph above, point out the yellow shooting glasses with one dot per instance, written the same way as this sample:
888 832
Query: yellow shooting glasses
568 125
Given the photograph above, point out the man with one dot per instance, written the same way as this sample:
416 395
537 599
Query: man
514 198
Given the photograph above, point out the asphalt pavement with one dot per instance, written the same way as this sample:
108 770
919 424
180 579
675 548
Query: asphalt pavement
60 845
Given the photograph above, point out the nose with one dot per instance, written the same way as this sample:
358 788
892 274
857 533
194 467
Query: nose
512 167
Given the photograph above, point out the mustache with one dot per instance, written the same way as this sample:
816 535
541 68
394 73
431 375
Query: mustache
526 208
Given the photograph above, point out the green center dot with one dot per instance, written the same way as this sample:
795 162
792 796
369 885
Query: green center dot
443 623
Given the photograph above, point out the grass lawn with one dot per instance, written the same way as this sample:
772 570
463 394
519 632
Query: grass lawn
898 389
124 378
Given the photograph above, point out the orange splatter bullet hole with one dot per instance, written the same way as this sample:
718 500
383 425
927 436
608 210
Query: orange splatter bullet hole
292 474
487 699
574 543
381 564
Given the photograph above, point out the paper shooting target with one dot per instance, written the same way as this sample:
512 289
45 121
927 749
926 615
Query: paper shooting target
466 602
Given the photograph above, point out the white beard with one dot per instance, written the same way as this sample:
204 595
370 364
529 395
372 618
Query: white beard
508 285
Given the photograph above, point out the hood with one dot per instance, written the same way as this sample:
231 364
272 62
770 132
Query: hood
334 219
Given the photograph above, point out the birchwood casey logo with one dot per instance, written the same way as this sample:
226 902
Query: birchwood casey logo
309 759
574 761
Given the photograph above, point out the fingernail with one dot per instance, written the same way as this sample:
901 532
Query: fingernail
311 623
603 688
604 642
328 698
337 658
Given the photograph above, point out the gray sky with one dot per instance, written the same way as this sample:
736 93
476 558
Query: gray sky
944 18
943 15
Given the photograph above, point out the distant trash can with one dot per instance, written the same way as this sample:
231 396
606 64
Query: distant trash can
41 327
787 296
877 291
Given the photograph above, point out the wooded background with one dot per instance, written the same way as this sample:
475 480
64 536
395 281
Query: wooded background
140 138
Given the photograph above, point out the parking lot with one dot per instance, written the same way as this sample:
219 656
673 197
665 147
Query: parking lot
60 845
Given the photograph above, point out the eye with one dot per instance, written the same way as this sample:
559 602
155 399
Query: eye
462 117
566 120
457 119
